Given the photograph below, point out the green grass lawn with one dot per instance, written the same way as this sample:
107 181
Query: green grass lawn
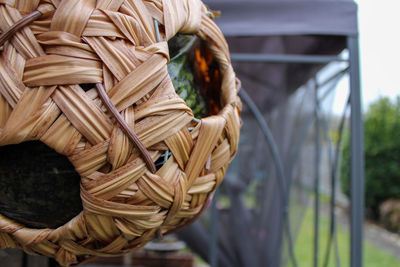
373 256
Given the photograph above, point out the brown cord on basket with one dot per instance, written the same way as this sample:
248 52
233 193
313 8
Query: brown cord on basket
125 127
6 35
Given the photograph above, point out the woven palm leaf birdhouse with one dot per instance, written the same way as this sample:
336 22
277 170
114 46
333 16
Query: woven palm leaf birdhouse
118 119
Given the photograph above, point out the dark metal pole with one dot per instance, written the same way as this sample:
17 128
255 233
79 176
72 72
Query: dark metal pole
24 260
334 169
286 58
317 177
357 158
213 260
53 263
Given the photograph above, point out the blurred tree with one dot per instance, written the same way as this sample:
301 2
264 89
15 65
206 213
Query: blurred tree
382 154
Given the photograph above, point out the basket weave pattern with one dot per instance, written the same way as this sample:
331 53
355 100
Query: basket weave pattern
114 43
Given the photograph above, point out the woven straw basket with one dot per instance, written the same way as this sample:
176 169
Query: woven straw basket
126 121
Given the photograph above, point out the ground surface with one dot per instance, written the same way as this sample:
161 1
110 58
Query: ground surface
381 248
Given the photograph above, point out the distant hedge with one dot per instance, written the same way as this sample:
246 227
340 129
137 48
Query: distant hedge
382 154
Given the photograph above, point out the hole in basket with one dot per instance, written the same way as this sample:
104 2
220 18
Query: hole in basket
195 74
87 86
162 159
38 187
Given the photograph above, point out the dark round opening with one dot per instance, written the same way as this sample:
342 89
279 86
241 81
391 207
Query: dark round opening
196 78
195 74
38 187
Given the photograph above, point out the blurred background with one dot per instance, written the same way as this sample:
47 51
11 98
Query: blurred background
286 200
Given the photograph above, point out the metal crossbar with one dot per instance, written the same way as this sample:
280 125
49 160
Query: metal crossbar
286 58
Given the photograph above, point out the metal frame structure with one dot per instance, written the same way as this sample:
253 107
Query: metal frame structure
357 158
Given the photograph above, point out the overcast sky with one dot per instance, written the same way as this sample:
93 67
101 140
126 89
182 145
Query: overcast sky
379 23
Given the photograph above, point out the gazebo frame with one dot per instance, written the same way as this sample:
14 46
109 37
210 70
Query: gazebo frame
321 19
